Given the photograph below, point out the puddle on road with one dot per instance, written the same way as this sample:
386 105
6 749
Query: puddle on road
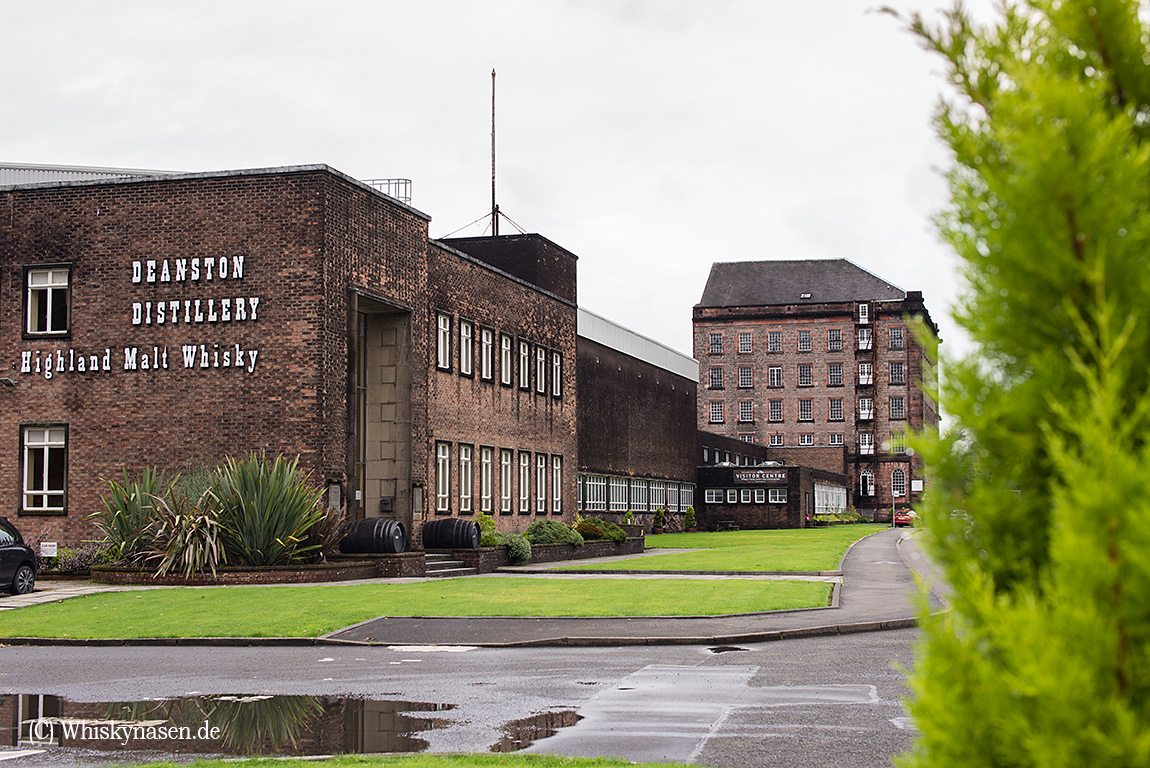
520 734
238 725
726 648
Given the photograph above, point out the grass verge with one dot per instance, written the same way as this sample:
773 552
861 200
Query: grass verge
427 761
805 549
287 611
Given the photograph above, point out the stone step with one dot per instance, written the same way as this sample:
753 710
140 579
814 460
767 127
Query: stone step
447 572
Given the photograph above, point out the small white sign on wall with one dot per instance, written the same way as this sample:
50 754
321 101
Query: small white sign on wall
47 549
916 486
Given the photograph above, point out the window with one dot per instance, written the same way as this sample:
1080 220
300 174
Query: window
805 375
524 482
806 410
442 477
774 341
595 493
835 440
556 485
746 438
618 488
836 409
746 377
896 337
835 374
466 477
898 442
505 359
638 496
556 374
834 339
715 378
776 439
777 495
48 301
45 468
732 496
486 353
745 496
806 439
866 483
866 443
443 348
505 481
486 478
866 408
760 495
466 347
717 412
865 338
686 496
706 455
746 410
713 495
540 370
897 408
540 483
805 340
896 373
898 483
864 313
866 374
775 376
744 342
524 365
775 410
672 497
715 343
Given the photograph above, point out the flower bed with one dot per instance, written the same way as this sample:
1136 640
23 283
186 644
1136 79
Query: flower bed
359 568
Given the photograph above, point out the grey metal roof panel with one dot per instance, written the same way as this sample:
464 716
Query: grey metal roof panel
768 283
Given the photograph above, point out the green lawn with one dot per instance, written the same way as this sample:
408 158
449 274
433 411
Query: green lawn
806 549
287 611
498 760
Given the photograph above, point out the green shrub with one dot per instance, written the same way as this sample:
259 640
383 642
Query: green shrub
610 530
188 535
660 518
689 518
486 523
81 558
589 531
125 521
553 532
266 510
518 547
488 539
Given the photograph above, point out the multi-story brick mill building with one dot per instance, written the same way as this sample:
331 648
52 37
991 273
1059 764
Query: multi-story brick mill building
173 320
818 356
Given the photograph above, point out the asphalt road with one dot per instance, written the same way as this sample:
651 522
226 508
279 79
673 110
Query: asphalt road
821 701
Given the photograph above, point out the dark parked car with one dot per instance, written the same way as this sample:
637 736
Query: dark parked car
17 561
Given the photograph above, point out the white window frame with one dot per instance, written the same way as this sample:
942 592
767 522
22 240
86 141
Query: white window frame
442 477
775 376
715 377
716 412
806 409
804 340
866 339
777 440
658 495
506 480
556 374
775 410
486 478
898 442
540 483
835 411
524 364
541 369
486 354
443 342
834 374
898 483
897 372
834 339
713 495
864 313
745 342
672 497
638 501
48 288
760 495
732 496
897 407
776 495
806 375
617 499
866 483
466 478
806 438
524 482
556 485
835 439
745 496
595 493
44 447
746 377
505 360
715 343
897 337
466 347
774 341
866 374
866 409
746 411
866 443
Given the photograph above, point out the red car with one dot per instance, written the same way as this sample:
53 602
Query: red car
905 517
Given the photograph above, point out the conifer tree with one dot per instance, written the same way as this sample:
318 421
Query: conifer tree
1039 504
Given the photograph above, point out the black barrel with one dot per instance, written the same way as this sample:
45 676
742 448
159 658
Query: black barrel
374 536
451 533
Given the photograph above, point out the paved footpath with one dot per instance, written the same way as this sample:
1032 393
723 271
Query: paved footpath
878 592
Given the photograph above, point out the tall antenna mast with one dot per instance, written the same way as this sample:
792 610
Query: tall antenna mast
494 205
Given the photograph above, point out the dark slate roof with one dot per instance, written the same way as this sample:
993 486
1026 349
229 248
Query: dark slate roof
767 283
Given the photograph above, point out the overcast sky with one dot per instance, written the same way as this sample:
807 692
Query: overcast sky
649 137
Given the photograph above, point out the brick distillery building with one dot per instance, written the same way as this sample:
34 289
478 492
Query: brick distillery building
818 362
177 319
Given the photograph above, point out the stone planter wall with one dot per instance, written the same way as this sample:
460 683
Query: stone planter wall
488 559
288 574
